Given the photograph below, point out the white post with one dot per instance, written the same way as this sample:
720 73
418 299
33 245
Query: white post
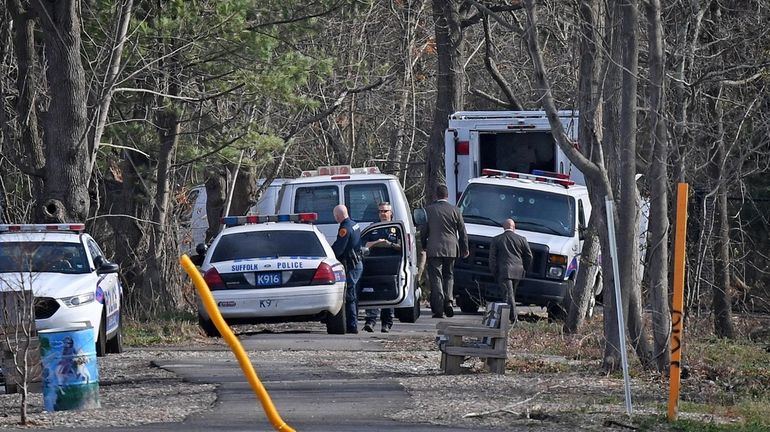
618 301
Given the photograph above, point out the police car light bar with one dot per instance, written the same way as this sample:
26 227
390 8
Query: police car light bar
255 219
79 227
537 175
339 170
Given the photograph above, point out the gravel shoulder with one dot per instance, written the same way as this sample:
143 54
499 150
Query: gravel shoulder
538 392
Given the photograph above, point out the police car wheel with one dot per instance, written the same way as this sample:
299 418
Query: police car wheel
115 345
335 324
101 340
208 327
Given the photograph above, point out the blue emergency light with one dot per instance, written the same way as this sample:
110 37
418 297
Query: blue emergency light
255 219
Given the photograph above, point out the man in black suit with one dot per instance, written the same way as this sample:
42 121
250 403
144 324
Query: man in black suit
443 237
509 259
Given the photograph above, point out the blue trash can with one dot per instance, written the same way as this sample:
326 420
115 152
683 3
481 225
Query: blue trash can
70 373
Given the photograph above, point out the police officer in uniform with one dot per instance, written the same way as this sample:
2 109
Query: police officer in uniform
347 248
382 241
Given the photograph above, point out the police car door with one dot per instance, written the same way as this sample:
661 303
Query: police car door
386 268
107 290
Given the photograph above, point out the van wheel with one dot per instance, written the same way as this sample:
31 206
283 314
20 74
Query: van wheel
467 304
409 314
335 324
208 327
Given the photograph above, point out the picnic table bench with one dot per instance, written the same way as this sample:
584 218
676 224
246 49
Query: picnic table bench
488 341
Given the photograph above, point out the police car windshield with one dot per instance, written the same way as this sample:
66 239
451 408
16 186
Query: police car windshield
265 244
34 257
532 210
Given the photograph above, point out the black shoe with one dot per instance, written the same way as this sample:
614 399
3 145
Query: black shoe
449 310
368 328
438 315
386 328
352 331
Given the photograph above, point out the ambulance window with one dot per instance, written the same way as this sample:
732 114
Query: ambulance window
581 215
320 200
362 201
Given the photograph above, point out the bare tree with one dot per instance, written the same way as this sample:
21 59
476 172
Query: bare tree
19 347
449 80
657 265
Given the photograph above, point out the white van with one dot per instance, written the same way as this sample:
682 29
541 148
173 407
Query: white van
199 222
360 190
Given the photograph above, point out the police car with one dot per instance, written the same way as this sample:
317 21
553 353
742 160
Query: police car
263 269
72 281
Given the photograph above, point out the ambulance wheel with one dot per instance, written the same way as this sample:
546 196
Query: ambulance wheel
467 304
335 324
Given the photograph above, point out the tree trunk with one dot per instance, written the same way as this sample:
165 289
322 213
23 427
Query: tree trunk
588 103
723 324
65 193
657 265
128 246
628 238
216 194
103 94
449 81
31 158
156 287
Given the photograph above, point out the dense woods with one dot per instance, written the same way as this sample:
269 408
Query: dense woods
112 110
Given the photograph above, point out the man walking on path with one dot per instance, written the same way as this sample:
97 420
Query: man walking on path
347 249
444 239
382 241
509 259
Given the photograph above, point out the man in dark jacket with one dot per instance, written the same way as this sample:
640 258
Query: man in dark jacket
509 259
347 249
444 239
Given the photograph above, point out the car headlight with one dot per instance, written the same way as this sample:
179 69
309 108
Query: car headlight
78 300
555 272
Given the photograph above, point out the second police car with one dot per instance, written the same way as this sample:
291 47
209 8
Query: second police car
72 281
268 269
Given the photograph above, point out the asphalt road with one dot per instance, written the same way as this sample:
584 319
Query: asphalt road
307 398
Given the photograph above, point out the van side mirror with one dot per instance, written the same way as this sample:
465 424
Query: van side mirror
201 249
582 232
419 216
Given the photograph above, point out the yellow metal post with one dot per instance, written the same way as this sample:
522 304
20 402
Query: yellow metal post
677 306
235 346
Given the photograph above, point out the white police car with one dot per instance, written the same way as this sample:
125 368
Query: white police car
263 269
72 281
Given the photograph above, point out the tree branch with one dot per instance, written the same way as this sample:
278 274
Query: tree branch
489 61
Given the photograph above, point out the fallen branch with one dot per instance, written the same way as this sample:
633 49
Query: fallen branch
506 409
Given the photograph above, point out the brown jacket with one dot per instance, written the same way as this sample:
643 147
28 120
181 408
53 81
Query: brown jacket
444 234
509 256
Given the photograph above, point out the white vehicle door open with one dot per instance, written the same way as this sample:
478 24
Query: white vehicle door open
386 269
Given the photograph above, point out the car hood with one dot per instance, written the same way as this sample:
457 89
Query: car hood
556 244
54 285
